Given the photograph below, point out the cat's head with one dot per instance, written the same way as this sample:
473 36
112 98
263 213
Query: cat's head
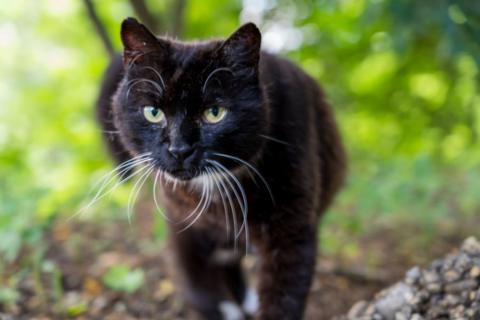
187 103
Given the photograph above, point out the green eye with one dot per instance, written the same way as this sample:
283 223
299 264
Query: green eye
153 114
214 114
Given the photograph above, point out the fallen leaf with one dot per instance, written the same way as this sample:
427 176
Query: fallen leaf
164 290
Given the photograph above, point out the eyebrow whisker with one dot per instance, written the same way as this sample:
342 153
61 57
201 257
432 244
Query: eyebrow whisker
159 76
212 73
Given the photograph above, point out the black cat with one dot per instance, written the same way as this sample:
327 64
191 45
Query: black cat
231 134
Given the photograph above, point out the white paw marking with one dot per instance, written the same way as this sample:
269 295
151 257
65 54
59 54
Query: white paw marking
251 302
230 311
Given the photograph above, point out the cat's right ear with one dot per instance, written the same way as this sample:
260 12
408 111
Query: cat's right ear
138 40
242 48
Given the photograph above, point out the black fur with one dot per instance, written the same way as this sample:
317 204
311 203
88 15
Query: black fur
277 120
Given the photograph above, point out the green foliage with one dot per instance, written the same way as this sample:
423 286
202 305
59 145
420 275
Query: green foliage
403 78
123 278
8 295
77 309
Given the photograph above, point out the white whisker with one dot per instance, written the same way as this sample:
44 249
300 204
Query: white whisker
159 76
205 206
212 73
108 178
136 189
274 139
242 199
204 191
159 209
134 82
231 203
250 167
211 171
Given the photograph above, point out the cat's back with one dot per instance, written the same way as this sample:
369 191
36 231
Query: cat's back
302 117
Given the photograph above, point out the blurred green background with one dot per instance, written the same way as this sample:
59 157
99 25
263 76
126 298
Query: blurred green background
402 75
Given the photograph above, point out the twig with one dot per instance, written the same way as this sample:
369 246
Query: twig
355 274
92 14
178 22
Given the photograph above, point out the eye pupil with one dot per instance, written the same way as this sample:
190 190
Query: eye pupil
214 114
153 114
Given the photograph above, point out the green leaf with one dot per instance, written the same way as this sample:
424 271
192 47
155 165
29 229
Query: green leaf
77 309
122 278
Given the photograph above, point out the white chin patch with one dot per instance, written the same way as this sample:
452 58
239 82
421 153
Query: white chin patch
230 311
251 302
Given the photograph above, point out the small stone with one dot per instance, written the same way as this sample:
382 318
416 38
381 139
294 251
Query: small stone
416 316
357 310
437 265
451 300
475 272
460 308
463 262
370 310
434 287
430 277
400 316
413 275
471 246
451 276
448 289
120 307
414 300
472 314
393 302
461 286
472 296
407 311
97 305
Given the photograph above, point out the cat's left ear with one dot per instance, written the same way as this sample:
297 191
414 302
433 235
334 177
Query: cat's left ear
242 48
138 40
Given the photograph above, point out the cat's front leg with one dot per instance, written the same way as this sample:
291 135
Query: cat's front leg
287 266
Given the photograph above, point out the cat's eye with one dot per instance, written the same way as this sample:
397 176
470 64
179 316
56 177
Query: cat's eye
214 114
153 114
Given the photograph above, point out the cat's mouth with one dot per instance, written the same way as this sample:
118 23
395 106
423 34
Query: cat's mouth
182 174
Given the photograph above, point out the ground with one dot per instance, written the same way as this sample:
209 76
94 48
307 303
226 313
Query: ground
113 270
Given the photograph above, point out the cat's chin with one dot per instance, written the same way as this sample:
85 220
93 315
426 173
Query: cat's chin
180 175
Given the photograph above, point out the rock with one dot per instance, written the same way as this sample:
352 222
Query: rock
416 316
461 286
434 287
471 246
413 275
475 272
357 310
394 300
451 276
430 277
448 289
463 262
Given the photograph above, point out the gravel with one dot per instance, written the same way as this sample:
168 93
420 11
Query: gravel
448 289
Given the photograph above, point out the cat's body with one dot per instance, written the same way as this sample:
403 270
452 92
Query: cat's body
279 124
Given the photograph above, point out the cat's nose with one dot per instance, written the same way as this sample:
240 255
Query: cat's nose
180 151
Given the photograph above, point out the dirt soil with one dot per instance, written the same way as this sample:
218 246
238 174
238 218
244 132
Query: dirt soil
69 280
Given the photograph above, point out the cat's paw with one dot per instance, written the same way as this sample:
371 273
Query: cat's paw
251 302
230 311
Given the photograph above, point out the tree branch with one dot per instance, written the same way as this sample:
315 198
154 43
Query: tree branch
99 27
178 16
